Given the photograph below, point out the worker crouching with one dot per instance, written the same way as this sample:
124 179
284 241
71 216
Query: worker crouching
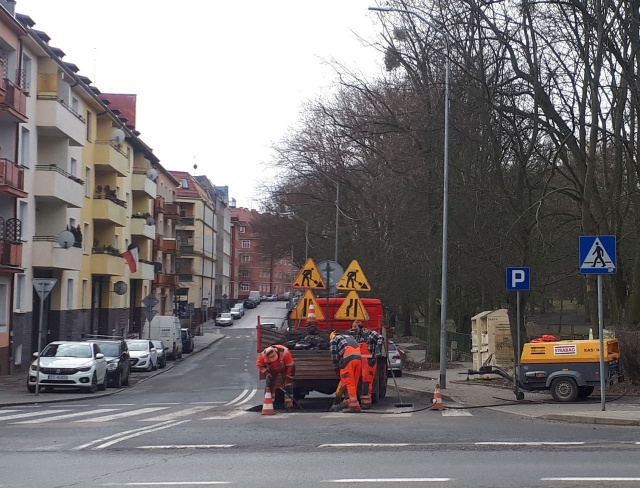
276 363
346 357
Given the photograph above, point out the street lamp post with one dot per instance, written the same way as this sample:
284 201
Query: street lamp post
306 232
445 193
335 258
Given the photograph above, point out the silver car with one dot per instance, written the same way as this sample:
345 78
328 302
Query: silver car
224 319
396 360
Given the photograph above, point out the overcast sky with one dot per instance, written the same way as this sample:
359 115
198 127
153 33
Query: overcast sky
217 82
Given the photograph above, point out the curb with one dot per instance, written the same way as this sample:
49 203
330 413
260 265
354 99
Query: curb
585 419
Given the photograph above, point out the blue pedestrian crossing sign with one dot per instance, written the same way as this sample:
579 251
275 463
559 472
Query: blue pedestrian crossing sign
518 279
598 254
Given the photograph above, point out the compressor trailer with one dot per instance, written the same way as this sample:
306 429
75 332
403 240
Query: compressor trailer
568 369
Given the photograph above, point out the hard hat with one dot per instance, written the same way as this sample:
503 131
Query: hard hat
271 354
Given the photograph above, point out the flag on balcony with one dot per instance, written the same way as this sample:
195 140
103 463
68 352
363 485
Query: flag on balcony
131 257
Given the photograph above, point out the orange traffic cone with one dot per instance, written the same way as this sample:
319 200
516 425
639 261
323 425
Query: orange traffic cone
437 399
267 403
311 315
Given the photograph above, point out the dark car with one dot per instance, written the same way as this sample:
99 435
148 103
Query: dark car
162 353
118 362
250 304
187 340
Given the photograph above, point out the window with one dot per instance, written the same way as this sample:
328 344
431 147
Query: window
244 273
184 183
246 258
89 126
20 302
87 182
75 105
69 294
23 216
26 70
85 239
4 298
25 142
244 287
242 229
85 294
73 167
246 244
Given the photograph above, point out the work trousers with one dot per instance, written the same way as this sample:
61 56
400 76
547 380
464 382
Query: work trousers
282 380
350 372
368 363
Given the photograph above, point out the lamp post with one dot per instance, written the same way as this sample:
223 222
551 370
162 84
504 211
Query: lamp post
335 258
306 232
445 193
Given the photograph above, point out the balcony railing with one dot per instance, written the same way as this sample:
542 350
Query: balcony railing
13 100
186 249
159 205
12 178
186 221
185 277
167 279
10 253
172 211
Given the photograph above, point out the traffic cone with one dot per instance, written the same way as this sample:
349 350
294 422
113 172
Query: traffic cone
267 403
437 399
311 315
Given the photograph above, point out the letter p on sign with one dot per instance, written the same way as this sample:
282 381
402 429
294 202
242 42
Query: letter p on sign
518 279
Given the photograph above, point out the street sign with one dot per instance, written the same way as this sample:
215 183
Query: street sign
44 286
354 279
149 313
598 254
352 308
518 279
309 277
150 301
305 305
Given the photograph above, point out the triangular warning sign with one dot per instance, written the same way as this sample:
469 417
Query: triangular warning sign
597 257
352 308
354 279
309 277
308 308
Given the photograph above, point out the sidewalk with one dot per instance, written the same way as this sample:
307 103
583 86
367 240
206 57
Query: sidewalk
460 392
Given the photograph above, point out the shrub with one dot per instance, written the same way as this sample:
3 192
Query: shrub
630 354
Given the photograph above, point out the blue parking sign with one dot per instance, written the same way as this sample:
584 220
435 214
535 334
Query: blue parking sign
518 279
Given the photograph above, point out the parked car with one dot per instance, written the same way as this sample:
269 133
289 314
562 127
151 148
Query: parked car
249 304
235 313
69 364
224 319
144 355
268 325
118 361
272 298
240 307
187 340
162 352
396 360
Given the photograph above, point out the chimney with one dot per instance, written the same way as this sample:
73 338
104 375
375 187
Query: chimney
232 204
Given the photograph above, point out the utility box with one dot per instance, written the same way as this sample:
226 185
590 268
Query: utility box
491 338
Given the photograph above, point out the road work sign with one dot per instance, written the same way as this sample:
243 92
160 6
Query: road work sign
352 308
518 279
308 305
309 277
354 279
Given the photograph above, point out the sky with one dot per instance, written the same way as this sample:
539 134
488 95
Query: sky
217 83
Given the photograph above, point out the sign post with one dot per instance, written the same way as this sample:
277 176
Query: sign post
518 279
150 301
598 256
43 287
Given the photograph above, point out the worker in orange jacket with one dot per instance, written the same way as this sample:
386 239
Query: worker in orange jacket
277 361
346 357
370 342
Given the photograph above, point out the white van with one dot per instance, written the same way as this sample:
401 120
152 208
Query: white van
165 328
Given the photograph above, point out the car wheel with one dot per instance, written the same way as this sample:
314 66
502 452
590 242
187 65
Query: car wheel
564 389
31 388
103 386
94 384
150 367
118 381
127 380
154 366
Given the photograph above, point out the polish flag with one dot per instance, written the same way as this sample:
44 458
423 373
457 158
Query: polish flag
131 257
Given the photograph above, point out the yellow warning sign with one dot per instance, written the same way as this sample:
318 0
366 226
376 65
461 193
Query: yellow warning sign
354 279
308 308
352 308
309 277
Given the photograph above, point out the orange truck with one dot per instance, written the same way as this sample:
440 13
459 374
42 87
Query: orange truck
314 369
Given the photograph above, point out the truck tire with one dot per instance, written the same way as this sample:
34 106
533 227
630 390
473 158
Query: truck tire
564 389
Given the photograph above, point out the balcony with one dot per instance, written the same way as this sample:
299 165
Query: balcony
140 183
110 263
172 211
55 117
12 178
159 204
184 221
166 279
13 102
185 277
10 253
169 244
48 254
110 209
139 227
145 271
54 184
186 249
110 156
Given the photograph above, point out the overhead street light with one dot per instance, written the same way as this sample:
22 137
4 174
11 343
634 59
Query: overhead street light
306 232
445 192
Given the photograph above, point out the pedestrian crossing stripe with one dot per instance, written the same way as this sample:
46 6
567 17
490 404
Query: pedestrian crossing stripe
309 277
597 254
354 279
352 308
302 309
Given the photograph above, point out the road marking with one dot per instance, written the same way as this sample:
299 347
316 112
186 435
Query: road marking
65 416
169 483
162 403
228 416
251 395
29 414
203 403
179 413
595 478
115 405
136 434
112 436
456 413
192 446
530 443
387 480
131 413
372 444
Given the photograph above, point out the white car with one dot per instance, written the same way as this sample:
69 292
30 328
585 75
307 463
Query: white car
235 313
224 319
69 364
143 354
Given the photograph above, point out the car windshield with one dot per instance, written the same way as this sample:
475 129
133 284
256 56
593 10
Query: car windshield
184 334
67 351
158 345
138 345
111 350
392 347
226 315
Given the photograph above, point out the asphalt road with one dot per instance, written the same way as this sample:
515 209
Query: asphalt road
193 426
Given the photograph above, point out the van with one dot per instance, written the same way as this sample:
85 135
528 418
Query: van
165 328
254 296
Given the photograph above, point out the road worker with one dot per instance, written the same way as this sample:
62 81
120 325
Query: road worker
346 357
276 363
370 344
